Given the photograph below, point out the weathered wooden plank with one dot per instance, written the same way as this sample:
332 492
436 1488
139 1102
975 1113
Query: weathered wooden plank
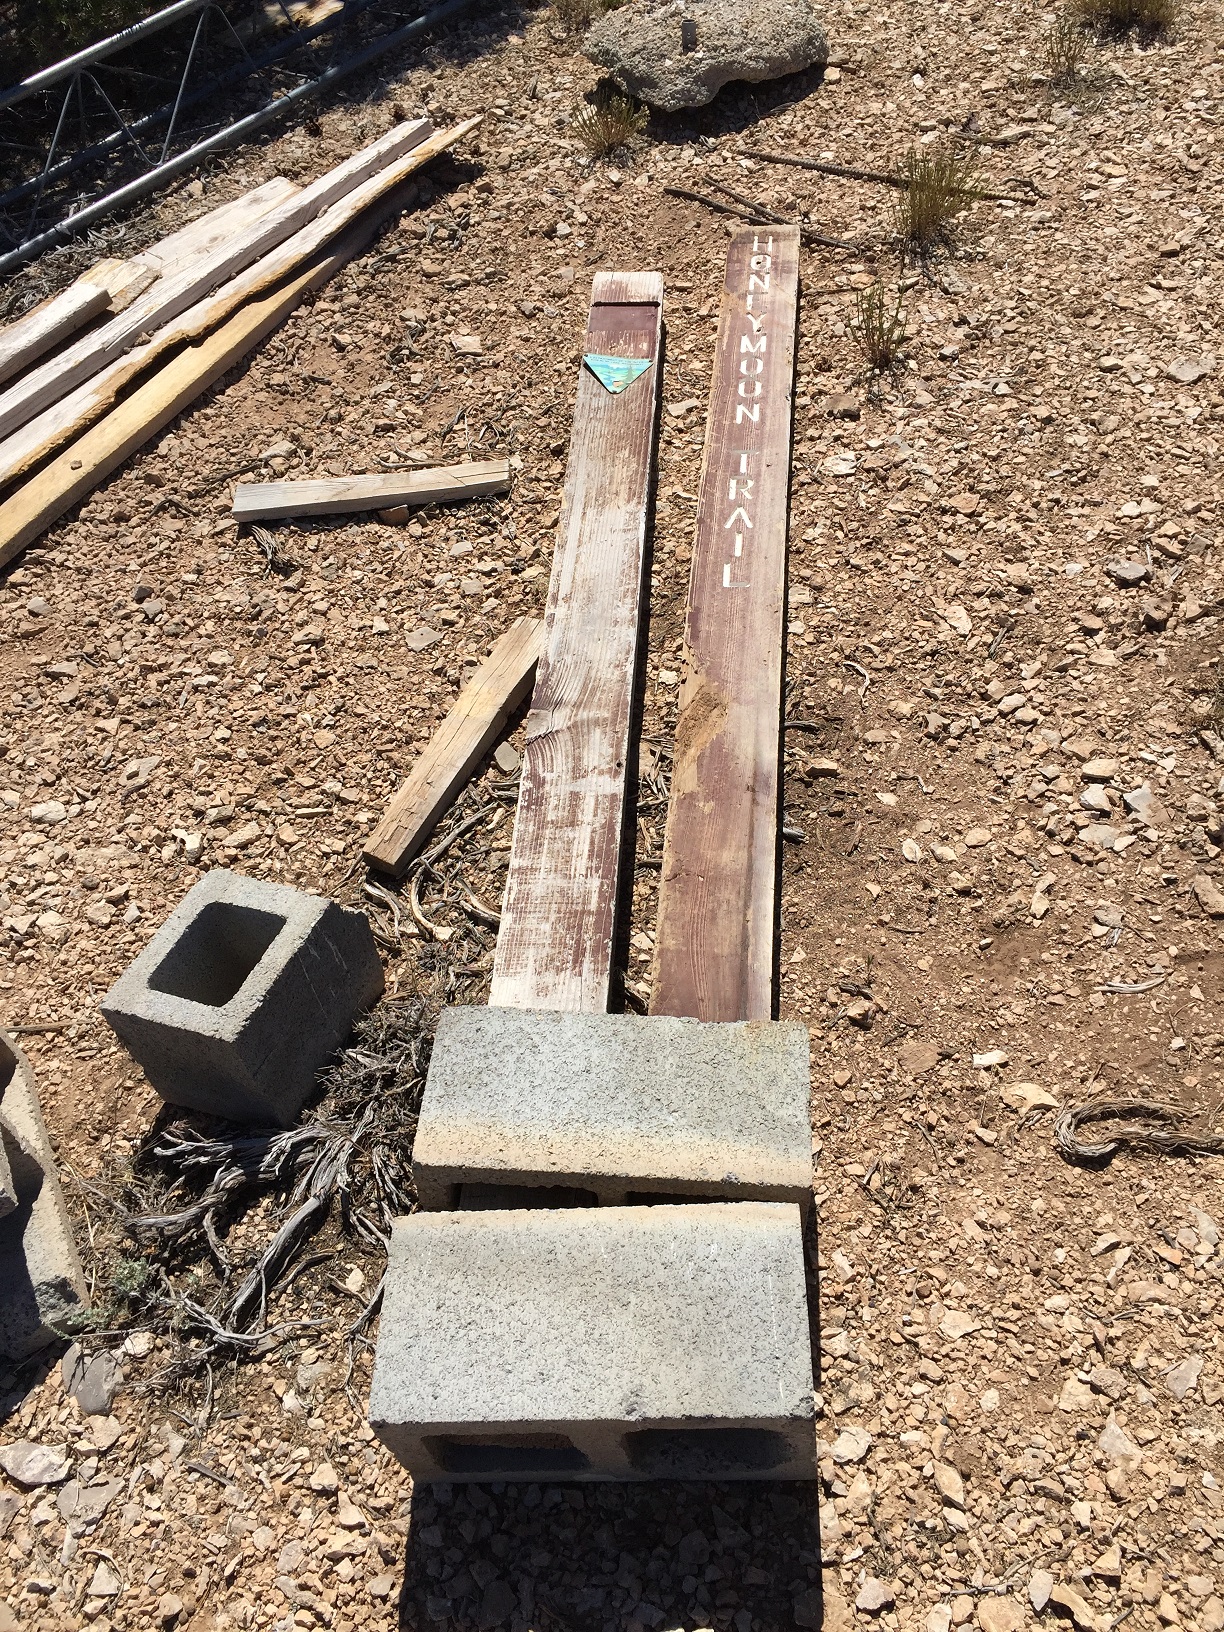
554 948
449 484
187 281
457 747
26 340
104 447
79 408
105 285
714 952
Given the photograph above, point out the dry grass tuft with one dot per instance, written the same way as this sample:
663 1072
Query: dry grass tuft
576 16
878 328
1150 18
939 185
1066 50
608 122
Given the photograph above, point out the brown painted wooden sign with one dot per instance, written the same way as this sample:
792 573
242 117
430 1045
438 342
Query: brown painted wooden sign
714 957
554 948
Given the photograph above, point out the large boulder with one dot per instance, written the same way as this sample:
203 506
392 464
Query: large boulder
680 53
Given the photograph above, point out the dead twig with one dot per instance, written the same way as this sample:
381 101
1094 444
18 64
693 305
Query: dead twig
885 178
757 215
1162 1130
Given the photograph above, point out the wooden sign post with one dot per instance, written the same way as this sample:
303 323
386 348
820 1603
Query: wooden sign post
554 948
714 957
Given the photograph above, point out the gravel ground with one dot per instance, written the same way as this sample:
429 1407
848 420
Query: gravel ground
1009 789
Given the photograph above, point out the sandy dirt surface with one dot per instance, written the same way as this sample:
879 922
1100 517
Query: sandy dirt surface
1006 896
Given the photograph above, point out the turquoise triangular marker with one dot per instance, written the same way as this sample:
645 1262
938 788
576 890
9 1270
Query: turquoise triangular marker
615 373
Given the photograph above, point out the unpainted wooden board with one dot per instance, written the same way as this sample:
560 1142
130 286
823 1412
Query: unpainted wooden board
102 449
49 324
123 281
190 278
113 284
342 495
714 945
555 944
463 739
211 231
72 413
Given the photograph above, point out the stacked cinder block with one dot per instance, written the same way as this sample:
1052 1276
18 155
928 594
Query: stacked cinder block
666 1342
612 1108
613 1285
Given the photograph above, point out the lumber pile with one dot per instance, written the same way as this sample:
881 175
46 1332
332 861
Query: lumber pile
98 370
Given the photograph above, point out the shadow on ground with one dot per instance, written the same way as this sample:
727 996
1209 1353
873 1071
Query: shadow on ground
612 1558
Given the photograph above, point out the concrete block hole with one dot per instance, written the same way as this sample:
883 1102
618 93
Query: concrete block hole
705 1453
543 1454
512 1197
217 953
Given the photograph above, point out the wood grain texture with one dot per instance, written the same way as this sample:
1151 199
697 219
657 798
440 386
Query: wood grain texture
104 447
555 945
79 408
714 948
463 739
49 324
448 484
192 274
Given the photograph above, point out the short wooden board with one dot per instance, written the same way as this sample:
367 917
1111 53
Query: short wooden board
459 744
714 952
269 501
555 945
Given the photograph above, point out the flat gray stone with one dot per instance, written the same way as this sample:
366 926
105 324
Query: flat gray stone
614 1106
40 1269
1128 574
93 1383
596 1343
1189 370
1142 802
35 1465
243 994
1100 834
680 53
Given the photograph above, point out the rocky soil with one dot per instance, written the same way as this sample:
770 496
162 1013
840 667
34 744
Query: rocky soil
1007 579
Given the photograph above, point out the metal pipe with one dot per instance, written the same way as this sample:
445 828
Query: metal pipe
236 132
92 53
219 82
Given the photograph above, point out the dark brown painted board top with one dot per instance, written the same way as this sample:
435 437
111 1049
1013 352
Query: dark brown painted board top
554 947
714 950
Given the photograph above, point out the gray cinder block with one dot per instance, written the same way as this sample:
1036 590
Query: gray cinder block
531 1108
242 995
666 1342
41 1282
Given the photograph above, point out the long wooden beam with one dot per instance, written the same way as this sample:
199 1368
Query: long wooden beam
113 284
103 448
342 495
714 955
457 747
177 289
79 408
555 945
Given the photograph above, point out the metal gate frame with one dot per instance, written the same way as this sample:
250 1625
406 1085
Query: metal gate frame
159 166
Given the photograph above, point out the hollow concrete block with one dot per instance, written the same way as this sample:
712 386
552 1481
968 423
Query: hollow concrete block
241 996
626 1343
532 1108
41 1281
